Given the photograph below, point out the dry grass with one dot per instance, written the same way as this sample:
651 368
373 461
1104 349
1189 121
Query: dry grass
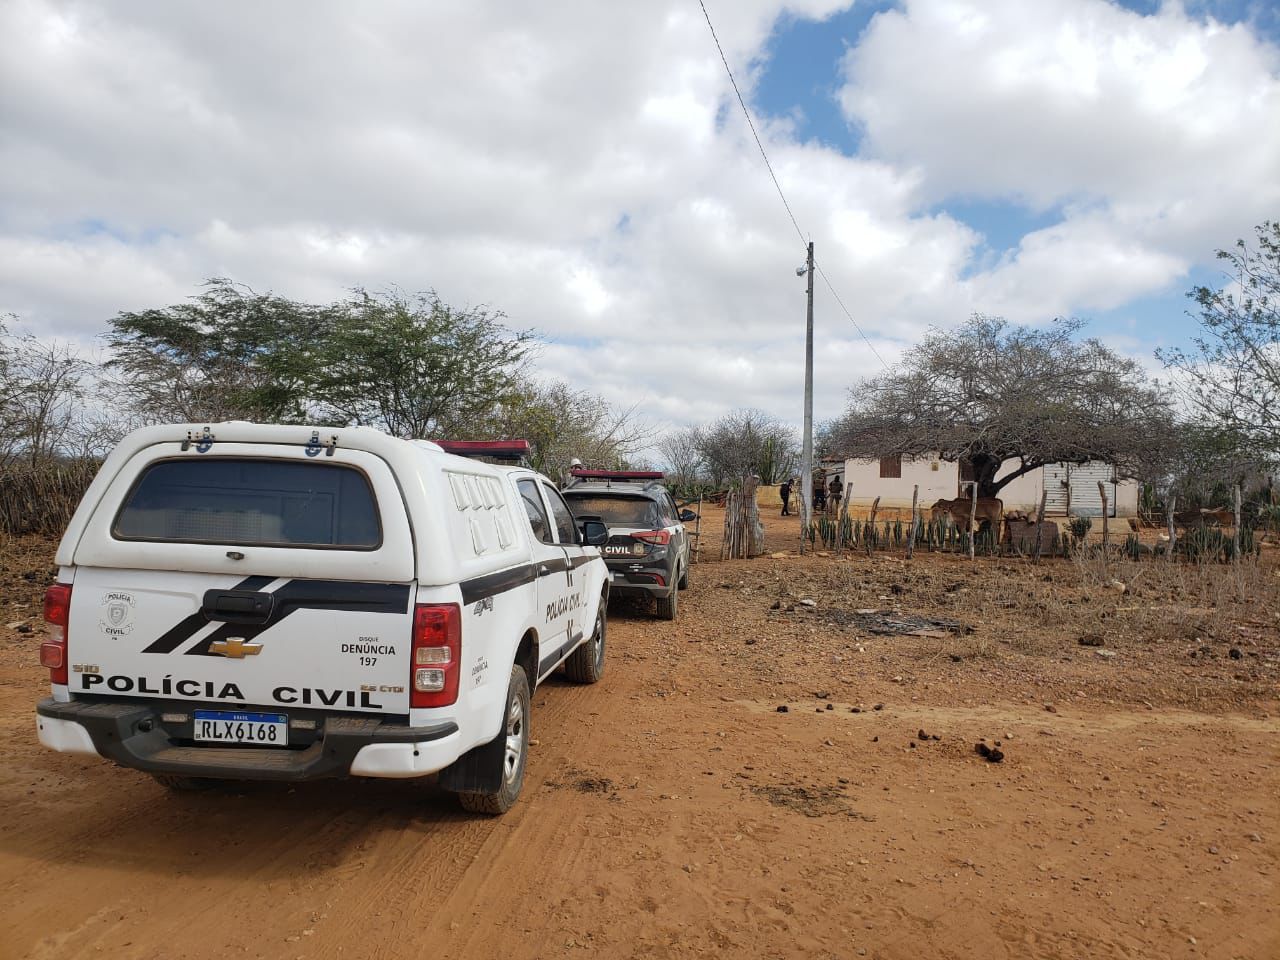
42 499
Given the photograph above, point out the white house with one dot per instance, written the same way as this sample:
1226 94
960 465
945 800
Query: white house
1072 488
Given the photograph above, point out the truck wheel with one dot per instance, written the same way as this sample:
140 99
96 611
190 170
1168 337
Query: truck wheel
586 664
684 577
182 784
667 605
513 739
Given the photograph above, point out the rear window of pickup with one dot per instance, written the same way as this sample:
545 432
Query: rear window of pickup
617 511
253 503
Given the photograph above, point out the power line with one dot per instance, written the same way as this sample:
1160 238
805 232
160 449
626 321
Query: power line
778 186
747 114
823 274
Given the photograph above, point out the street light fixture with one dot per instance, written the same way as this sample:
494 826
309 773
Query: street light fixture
806 450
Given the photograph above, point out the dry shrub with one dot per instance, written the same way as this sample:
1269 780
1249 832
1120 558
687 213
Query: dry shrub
1186 599
42 499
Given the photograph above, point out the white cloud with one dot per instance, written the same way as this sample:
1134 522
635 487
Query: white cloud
585 168
1158 137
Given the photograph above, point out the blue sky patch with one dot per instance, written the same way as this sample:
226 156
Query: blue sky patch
801 76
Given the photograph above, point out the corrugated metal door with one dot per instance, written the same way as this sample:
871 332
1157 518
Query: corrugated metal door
1083 481
1057 485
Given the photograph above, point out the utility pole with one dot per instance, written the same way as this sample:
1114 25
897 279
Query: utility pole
806 452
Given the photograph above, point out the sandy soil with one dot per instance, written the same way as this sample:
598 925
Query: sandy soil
672 810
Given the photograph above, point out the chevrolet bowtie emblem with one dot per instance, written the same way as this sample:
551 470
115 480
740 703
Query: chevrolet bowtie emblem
235 648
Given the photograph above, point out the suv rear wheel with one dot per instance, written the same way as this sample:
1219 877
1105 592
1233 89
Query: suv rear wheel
510 749
586 664
684 577
667 606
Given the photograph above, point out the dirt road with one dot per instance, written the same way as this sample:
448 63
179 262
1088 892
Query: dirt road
673 811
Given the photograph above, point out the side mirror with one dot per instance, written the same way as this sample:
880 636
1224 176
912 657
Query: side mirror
687 516
594 533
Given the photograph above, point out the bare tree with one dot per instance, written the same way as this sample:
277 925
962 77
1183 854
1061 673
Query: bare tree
681 455
562 424
990 392
1233 372
1207 462
42 392
12 388
747 441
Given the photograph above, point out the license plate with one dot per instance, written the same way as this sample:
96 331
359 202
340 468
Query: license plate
225 726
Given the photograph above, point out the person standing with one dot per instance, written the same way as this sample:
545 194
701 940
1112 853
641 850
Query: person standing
834 493
784 491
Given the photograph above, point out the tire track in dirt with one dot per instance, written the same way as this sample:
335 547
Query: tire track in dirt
549 830
422 876
305 848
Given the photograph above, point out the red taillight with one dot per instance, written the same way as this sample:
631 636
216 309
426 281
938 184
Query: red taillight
436 655
57 614
657 537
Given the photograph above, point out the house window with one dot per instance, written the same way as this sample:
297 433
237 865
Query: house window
891 467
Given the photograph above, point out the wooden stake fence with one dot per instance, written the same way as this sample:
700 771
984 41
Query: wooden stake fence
697 533
973 515
911 534
871 524
1106 533
1044 499
1235 537
741 517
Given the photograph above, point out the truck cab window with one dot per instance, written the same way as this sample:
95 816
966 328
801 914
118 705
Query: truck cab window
563 516
536 512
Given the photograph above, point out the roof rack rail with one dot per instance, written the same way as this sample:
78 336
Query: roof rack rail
493 451
631 475
649 478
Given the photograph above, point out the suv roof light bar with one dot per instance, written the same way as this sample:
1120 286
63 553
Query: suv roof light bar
510 451
635 475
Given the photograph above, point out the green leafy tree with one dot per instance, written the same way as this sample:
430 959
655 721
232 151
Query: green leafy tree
410 365
227 353
989 392
1232 373
414 366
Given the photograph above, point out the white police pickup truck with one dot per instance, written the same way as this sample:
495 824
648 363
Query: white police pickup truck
243 601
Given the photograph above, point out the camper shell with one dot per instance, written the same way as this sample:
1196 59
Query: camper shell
255 601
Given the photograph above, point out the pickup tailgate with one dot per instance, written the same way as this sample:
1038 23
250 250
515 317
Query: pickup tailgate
256 577
254 640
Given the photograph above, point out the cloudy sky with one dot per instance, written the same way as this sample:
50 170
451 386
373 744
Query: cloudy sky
585 167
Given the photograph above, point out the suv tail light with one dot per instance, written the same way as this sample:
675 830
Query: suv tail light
436 655
658 537
57 614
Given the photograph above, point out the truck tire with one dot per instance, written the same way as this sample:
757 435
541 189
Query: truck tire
181 784
509 749
586 664
667 606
